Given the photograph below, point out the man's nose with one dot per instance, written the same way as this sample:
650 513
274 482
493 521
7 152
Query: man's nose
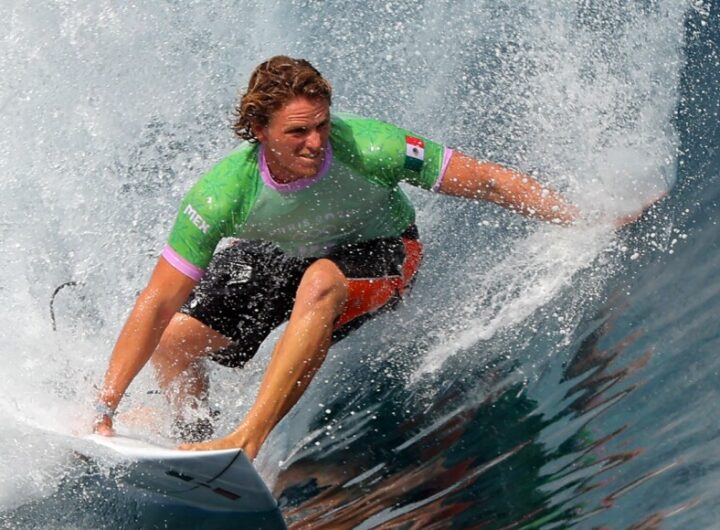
313 140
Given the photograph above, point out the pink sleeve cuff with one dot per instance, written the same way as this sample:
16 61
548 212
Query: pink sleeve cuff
181 264
446 160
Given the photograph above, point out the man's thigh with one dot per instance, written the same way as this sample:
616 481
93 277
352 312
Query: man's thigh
247 291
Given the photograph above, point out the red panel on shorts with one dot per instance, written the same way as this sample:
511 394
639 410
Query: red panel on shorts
370 294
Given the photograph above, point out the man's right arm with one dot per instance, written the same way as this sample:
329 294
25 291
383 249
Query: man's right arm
165 293
204 216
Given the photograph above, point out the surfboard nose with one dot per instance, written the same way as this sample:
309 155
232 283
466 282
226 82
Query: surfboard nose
212 480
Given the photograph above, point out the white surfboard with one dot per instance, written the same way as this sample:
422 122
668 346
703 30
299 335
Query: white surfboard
213 480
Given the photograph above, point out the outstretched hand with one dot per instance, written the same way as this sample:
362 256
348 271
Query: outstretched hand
631 218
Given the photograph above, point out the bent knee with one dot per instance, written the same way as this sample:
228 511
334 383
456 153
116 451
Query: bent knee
323 285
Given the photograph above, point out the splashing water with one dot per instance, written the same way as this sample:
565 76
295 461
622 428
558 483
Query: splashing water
111 112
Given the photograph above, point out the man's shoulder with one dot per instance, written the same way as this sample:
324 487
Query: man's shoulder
361 135
236 167
233 177
244 157
385 152
347 121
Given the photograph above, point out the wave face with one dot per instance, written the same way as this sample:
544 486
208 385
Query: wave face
537 377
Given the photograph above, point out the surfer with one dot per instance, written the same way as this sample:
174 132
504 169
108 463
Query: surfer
321 234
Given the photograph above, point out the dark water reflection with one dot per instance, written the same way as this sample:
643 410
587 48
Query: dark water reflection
492 464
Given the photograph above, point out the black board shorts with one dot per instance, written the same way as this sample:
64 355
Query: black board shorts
249 288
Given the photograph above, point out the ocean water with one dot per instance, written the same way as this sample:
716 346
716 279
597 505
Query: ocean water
537 377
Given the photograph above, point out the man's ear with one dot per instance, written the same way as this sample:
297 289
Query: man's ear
259 132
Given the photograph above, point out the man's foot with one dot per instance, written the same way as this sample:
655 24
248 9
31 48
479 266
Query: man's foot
232 441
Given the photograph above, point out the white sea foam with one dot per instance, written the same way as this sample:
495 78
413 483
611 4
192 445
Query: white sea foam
589 92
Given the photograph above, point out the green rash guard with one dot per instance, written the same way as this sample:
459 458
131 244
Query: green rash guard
354 197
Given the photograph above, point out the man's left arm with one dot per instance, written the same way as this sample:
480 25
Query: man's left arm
509 188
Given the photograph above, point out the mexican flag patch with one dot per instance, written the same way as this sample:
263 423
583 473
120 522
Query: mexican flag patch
414 153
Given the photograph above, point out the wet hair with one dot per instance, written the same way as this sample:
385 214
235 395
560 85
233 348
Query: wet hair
273 84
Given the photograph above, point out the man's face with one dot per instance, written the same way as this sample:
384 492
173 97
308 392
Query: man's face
295 139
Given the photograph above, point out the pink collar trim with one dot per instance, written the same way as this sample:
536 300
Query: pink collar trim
296 185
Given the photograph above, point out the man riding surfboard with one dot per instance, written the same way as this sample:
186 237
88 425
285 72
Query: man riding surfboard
322 237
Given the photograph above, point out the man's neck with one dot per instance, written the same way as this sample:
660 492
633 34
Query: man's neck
283 177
